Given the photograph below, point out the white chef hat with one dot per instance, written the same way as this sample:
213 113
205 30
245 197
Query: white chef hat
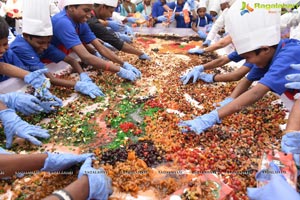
224 1
112 3
77 2
36 18
201 4
251 27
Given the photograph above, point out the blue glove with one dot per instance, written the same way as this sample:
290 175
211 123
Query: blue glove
50 101
146 17
144 57
109 46
206 43
201 123
14 125
290 143
194 73
181 14
223 103
21 102
84 77
208 78
131 19
88 88
277 189
128 66
202 35
128 31
191 4
127 74
116 26
37 79
196 50
60 161
99 183
295 78
125 37
162 18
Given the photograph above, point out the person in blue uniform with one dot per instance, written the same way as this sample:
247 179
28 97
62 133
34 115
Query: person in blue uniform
71 32
202 24
158 9
34 45
177 7
265 51
103 10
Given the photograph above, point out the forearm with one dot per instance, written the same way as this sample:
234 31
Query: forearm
218 45
10 164
232 76
12 71
93 60
78 190
59 81
242 87
130 49
74 64
216 63
293 123
244 100
107 53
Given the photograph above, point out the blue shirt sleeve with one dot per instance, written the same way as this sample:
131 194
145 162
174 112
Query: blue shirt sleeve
209 18
256 73
53 54
286 54
249 65
11 58
235 57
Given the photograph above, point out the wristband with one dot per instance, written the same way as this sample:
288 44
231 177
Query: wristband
213 78
62 195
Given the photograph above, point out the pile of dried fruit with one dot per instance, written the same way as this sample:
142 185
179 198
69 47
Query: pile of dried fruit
143 118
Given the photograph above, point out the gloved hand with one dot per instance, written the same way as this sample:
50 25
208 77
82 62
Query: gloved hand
109 46
144 57
128 31
14 125
196 50
162 18
201 123
131 19
277 189
223 103
88 88
50 101
37 79
181 14
128 66
125 37
85 77
202 35
206 43
208 78
290 143
294 78
60 161
194 73
126 74
99 183
21 102
116 26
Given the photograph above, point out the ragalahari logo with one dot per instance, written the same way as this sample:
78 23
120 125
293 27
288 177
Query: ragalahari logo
246 8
